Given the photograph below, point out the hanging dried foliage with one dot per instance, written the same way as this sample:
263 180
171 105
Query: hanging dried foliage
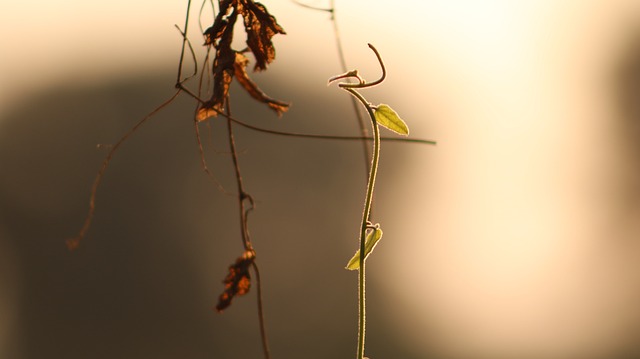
260 27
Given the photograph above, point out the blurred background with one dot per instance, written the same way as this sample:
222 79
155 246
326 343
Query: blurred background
517 236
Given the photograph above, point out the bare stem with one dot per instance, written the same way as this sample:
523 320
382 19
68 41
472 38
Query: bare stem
184 43
203 160
343 65
243 198
306 135
74 242
263 326
330 137
354 103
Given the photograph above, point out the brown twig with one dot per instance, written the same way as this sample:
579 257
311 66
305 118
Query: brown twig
73 243
185 42
362 124
309 135
243 198
263 332
203 161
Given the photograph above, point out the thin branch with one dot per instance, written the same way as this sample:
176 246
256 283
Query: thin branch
243 198
184 43
329 137
308 135
193 57
354 104
203 161
329 10
74 242
213 11
263 326
343 64
242 195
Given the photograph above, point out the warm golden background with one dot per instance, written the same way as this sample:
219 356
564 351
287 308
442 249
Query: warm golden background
518 236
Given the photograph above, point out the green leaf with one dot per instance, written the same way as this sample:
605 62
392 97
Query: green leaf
387 117
369 244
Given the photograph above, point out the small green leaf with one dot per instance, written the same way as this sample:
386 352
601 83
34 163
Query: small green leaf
387 117
369 244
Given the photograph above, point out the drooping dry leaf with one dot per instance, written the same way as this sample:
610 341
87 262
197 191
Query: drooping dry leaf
225 19
220 36
223 71
238 280
243 79
260 27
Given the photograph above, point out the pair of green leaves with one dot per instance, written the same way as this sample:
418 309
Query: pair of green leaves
369 244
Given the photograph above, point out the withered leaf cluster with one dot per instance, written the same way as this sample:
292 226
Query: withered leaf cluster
260 27
238 280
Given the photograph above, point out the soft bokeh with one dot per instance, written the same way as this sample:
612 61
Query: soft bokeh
518 236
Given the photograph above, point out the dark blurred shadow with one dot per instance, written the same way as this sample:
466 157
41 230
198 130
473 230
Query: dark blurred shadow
144 282
627 91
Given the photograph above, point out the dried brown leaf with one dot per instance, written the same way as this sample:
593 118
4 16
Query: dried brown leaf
243 79
225 19
223 67
260 27
223 71
238 280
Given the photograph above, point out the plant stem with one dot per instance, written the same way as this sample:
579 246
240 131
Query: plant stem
365 219
184 43
246 240
354 103
242 195
263 327
343 64
73 243
329 137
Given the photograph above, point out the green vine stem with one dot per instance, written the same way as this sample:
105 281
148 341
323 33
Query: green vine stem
365 224
363 229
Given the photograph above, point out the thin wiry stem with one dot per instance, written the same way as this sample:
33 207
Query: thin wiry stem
193 57
74 242
184 44
202 6
243 198
263 326
203 160
308 135
364 134
330 10
354 103
330 137
242 195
